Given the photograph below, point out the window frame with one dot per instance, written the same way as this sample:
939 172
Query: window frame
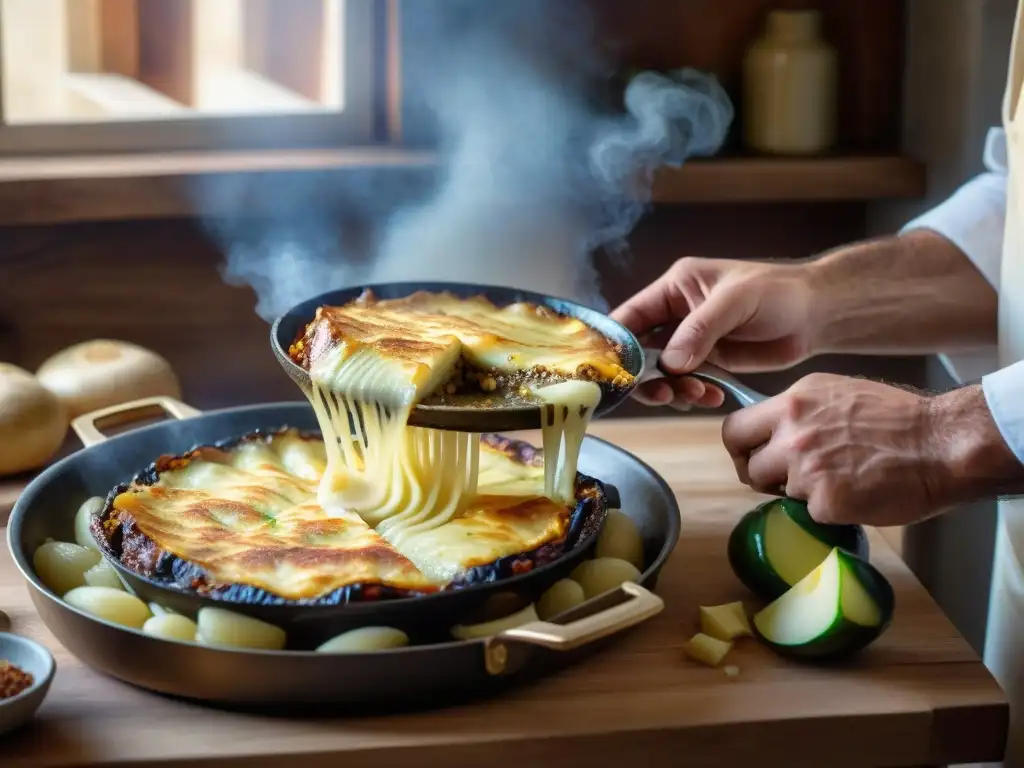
364 35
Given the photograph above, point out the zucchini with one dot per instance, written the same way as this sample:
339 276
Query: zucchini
836 610
775 545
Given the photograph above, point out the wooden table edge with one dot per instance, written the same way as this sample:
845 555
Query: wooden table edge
987 723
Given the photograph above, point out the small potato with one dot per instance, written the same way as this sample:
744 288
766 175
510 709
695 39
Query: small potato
83 536
603 574
158 610
171 626
489 628
62 565
227 629
620 538
559 598
103 575
112 605
365 639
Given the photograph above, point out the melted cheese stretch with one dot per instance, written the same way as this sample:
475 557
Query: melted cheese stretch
394 476
407 480
568 408
250 516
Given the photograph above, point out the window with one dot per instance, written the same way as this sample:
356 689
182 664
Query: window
120 75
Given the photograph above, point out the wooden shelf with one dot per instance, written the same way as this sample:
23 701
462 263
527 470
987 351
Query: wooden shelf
48 190
161 185
790 180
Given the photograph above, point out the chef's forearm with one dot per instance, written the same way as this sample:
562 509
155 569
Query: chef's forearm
973 438
912 294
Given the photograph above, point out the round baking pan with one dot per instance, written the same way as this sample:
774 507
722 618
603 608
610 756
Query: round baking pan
424 617
432 674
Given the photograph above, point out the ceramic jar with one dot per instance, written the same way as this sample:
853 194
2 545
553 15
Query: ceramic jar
790 89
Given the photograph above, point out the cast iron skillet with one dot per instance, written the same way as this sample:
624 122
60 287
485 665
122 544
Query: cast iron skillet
511 417
427 674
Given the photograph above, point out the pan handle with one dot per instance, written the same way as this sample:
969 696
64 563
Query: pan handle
89 431
639 605
705 372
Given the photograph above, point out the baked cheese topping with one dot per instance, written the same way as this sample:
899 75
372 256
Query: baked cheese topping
422 335
249 515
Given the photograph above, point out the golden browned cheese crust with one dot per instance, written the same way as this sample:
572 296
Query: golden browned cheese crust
248 515
419 331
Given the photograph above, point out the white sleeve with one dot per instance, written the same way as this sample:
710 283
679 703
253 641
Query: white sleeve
973 218
1004 391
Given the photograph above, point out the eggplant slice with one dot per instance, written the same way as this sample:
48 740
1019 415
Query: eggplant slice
130 549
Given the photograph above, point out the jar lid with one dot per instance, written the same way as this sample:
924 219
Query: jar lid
795 25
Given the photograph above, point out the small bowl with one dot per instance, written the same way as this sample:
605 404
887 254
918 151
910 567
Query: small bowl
31 657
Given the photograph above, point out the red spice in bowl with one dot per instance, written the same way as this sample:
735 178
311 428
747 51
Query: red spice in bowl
13 680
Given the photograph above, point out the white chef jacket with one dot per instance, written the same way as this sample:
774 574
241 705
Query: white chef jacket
973 218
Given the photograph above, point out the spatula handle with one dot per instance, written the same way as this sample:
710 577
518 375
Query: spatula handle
712 374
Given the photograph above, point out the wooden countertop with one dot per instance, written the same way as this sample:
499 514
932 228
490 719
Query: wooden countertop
919 696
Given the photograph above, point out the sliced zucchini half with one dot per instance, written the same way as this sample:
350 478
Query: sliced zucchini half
836 610
775 545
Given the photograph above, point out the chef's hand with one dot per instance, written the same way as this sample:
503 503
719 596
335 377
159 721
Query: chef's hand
862 452
744 316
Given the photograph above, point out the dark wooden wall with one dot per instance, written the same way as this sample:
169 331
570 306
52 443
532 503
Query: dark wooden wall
711 35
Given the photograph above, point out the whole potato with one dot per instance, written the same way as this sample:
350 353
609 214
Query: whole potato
604 574
620 538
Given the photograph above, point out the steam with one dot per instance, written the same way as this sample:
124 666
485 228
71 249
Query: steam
535 172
